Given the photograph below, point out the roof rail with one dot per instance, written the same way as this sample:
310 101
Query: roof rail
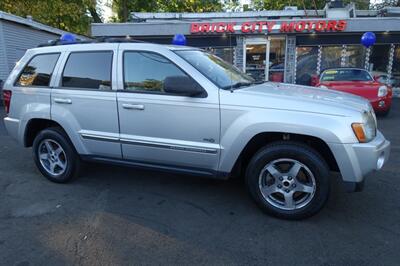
119 39
97 40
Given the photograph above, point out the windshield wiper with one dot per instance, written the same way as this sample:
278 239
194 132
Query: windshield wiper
237 85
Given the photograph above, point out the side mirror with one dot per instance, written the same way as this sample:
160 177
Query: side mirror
377 78
184 86
314 80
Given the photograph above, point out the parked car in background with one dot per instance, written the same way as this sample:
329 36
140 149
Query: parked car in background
181 109
357 81
385 78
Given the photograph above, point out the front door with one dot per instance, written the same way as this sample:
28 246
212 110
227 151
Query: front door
161 129
256 58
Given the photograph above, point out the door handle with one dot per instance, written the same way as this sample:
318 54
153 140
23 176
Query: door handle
131 106
62 100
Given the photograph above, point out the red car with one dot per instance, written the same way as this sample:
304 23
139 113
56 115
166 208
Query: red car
357 81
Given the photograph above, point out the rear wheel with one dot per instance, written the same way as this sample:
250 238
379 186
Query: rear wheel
288 180
55 155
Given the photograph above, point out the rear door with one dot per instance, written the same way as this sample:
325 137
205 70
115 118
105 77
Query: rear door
85 99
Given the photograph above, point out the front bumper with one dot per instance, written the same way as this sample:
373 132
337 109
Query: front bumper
357 160
381 104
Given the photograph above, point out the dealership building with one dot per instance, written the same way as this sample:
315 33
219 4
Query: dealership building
289 45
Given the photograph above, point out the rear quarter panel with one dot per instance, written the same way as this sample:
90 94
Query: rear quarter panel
26 102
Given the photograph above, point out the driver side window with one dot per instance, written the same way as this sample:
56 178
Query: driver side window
146 72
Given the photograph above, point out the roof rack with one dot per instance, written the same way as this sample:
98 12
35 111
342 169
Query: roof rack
119 40
97 40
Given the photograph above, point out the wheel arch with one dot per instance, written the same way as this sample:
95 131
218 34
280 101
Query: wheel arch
261 139
34 126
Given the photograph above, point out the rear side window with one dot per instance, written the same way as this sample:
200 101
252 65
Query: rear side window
88 70
38 71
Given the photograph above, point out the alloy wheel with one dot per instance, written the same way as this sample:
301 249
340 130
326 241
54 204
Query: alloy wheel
287 184
52 157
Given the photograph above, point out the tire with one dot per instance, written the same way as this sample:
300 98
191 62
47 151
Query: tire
46 153
279 190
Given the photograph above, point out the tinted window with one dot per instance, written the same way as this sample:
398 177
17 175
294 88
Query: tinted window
146 72
38 71
91 70
346 75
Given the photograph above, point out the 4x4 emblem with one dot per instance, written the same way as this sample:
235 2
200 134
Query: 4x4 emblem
209 140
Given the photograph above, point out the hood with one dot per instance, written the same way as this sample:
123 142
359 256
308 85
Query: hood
297 98
367 89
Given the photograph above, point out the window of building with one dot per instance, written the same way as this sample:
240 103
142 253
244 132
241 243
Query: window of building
379 58
395 80
146 72
89 70
355 56
38 71
306 67
331 57
277 59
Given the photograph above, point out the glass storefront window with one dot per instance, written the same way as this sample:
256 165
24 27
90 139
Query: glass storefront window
396 67
355 56
331 57
277 59
255 60
307 57
379 59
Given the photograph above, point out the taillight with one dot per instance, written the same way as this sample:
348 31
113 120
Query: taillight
7 100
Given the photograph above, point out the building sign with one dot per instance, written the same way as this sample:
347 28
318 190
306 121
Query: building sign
269 26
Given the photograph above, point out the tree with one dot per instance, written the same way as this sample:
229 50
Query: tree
386 3
279 5
301 4
69 15
122 8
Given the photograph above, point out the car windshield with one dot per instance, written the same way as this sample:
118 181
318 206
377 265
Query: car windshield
223 74
346 75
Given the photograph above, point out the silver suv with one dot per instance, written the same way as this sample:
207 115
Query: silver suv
182 109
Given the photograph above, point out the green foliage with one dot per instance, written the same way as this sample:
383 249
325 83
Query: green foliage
69 15
301 4
122 8
279 5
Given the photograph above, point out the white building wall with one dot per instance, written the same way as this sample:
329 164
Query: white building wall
15 39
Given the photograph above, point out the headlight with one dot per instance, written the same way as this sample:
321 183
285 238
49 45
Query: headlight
382 91
323 87
366 131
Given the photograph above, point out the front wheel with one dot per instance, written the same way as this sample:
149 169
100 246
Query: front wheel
55 156
288 180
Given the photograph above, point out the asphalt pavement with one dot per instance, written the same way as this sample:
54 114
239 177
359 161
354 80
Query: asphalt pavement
115 215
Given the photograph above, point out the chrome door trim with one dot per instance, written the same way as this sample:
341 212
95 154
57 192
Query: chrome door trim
153 144
99 137
169 146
